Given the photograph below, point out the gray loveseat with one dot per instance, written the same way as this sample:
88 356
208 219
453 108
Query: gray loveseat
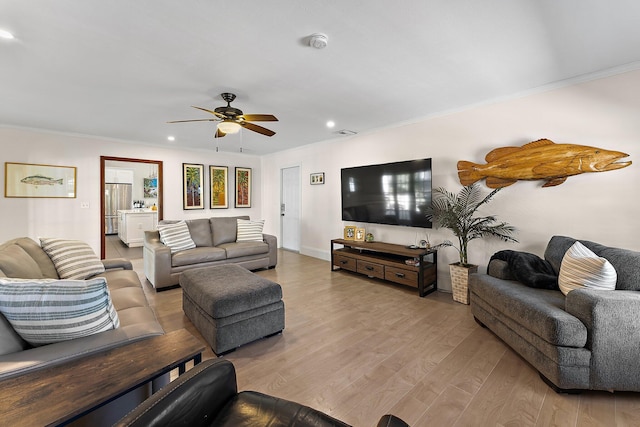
588 340
23 257
215 240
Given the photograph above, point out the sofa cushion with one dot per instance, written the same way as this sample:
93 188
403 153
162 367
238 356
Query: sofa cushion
240 249
176 236
10 341
198 256
48 310
249 231
225 229
200 231
16 262
41 258
73 259
582 268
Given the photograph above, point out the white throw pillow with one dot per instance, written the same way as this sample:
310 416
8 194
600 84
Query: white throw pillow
45 311
176 236
73 259
250 231
582 268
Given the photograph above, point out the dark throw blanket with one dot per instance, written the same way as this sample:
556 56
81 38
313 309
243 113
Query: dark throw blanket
529 269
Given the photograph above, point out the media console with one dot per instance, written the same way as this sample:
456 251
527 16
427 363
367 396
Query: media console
387 261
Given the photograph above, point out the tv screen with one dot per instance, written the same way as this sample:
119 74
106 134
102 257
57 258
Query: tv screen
391 193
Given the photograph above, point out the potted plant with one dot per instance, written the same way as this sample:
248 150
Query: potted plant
457 213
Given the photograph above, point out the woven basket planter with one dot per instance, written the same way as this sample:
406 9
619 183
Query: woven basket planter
460 281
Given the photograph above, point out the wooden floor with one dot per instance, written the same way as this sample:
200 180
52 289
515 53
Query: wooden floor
358 348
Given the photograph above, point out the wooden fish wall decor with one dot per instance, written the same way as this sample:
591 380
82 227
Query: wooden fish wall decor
541 159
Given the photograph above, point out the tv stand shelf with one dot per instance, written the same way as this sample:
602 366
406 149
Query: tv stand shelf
386 261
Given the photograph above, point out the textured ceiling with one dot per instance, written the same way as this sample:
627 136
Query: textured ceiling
121 69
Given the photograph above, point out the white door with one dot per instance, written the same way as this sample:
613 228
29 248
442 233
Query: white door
290 208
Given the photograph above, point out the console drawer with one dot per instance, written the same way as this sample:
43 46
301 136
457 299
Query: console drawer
344 262
371 269
399 275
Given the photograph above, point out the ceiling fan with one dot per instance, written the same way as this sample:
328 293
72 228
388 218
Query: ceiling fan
232 119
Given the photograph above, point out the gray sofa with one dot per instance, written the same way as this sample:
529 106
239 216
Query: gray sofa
588 340
137 320
215 240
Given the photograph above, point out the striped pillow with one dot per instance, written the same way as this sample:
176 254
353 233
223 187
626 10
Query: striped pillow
176 236
582 268
73 259
46 311
250 231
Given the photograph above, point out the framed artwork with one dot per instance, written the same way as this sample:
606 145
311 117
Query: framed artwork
34 180
360 233
192 184
349 232
243 187
317 178
219 184
150 188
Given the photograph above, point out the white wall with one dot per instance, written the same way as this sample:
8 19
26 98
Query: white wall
598 206
65 218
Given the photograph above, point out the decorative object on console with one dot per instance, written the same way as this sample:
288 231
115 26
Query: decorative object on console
219 177
456 212
369 237
243 187
317 178
34 180
192 184
360 232
541 159
350 232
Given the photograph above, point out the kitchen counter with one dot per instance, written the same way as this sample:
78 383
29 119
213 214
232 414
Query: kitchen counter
132 223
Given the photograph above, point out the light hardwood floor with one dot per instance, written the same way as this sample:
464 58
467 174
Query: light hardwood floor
358 348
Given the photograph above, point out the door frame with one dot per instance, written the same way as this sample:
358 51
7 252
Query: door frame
103 159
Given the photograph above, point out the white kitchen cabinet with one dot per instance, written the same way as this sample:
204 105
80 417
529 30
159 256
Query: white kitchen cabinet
133 223
118 176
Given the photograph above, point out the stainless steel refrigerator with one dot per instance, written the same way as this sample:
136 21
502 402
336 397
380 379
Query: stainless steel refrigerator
116 197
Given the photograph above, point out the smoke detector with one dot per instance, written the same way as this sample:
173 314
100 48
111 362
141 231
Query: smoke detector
318 40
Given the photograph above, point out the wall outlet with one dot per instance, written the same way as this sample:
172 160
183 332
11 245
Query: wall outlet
84 205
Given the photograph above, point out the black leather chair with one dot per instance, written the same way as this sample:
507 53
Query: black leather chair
207 395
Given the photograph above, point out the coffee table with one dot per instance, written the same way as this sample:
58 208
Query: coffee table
68 391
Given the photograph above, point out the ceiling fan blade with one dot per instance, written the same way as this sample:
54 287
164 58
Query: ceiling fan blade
219 134
259 117
195 120
257 128
222 116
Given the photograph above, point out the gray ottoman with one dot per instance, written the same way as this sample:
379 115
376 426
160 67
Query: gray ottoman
231 306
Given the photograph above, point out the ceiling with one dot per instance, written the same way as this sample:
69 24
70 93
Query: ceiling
121 69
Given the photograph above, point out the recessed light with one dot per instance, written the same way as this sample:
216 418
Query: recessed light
331 124
171 138
4 34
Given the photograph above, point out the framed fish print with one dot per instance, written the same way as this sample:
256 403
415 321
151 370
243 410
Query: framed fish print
243 187
34 180
192 186
219 186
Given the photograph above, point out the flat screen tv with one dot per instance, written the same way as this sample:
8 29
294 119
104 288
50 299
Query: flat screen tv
391 193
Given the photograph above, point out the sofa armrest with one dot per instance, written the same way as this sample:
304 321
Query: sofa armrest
157 260
117 263
193 398
613 335
272 241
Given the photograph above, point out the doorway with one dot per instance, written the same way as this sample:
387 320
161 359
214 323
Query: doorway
124 162
290 208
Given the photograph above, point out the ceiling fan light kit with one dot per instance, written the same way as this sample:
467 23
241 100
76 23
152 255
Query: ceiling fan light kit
227 126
